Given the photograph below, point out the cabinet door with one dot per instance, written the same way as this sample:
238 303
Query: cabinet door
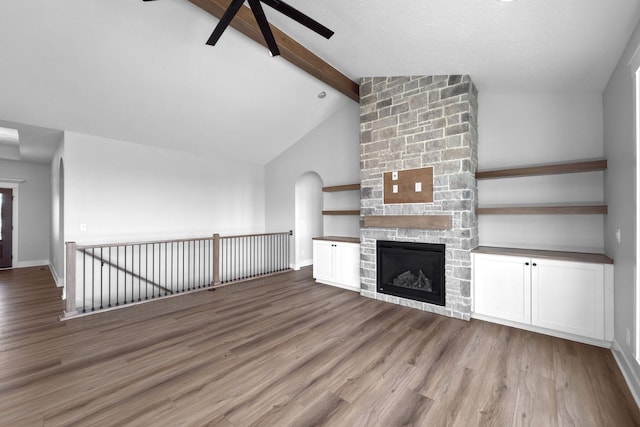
322 260
347 264
568 296
502 287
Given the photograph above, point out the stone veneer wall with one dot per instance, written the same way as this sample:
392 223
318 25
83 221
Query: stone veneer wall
414 122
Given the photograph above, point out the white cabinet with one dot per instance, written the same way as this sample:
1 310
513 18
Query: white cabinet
503 287
337 263
563 298
568 297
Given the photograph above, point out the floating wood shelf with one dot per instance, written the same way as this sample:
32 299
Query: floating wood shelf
341 212
425 222
347 187
536 210
548 169
537 253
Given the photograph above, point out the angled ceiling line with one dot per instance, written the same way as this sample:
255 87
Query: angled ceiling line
290 49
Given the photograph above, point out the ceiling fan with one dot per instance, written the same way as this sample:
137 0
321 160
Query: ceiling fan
261 19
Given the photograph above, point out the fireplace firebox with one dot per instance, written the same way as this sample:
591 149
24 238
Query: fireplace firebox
411 270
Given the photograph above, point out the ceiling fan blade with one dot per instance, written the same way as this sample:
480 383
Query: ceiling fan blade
300 17
261 18
224 21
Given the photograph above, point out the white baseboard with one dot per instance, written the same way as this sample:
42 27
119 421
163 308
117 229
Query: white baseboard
56 277
545 331
626 366
303 263
23 264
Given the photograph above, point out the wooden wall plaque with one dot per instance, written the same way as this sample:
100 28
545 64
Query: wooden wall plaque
406 186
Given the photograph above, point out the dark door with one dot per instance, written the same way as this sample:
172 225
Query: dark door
6 226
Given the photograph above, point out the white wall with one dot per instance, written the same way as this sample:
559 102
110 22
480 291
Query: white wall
34 205
332 150
124 191
308 217
526 129
619 144
56 248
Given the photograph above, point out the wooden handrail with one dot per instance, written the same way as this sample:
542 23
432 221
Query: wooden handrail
290 233
148 242
192 239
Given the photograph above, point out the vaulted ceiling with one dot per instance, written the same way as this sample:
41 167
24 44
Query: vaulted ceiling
141 71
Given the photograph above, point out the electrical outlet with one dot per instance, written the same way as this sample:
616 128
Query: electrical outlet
83 227
394 175
395 188
618 235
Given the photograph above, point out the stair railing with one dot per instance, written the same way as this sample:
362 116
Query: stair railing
106 276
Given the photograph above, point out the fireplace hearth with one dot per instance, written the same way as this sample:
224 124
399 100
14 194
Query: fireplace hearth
411 270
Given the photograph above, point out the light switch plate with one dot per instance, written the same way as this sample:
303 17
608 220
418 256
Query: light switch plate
395 188
418 187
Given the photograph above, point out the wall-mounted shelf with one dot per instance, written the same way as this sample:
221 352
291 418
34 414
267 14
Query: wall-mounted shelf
341 212
543 210
547 169
347 187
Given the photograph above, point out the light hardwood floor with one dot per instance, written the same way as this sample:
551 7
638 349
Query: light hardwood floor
286 351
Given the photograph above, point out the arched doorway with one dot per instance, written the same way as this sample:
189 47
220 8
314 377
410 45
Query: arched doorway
308 217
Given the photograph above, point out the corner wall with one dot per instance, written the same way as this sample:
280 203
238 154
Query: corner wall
620 151
332 151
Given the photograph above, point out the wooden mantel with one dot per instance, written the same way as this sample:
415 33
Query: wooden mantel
425 222
290 49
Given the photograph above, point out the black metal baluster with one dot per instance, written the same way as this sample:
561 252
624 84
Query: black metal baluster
183 266
171 269
117 275
101 291
84 279
109 276
242 246
153 271
93 279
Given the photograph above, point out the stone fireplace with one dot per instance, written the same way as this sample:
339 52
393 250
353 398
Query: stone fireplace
416 122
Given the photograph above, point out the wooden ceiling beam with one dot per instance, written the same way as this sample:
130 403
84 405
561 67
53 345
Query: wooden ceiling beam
290 49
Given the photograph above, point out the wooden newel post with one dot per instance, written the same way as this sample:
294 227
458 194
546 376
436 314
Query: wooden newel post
216 259
70 279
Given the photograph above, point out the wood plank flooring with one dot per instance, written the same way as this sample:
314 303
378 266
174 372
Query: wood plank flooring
284 351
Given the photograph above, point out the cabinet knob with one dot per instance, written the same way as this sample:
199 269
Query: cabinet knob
534 264
526 263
